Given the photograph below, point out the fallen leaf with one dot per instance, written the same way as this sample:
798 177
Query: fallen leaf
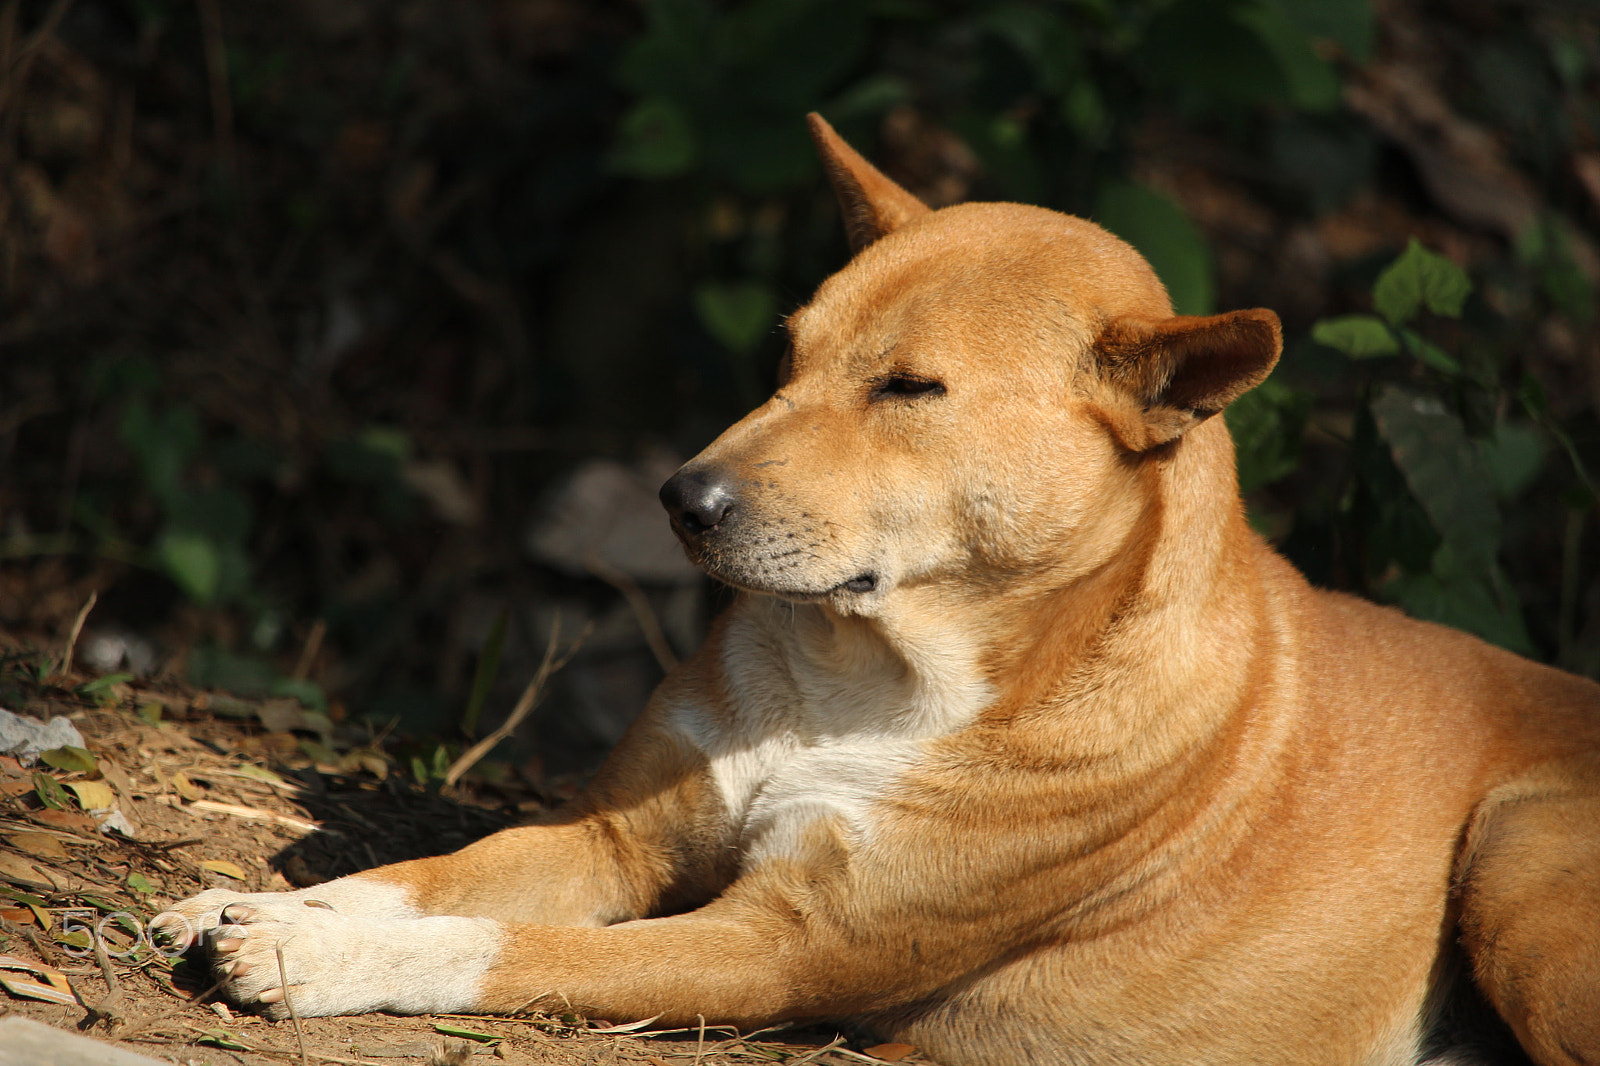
15 786
185 787
17 914
265 776
467 1034
223 867
93 795
71 821
34 904
224 1039
139 883
42 845
31 989
889 1052
51 794
69 760
18 871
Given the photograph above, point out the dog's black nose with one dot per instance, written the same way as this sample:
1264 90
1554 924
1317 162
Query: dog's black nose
697 500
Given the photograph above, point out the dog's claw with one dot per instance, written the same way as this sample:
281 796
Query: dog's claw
231 944
271 995
236 913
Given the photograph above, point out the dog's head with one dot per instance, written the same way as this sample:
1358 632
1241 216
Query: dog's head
977 397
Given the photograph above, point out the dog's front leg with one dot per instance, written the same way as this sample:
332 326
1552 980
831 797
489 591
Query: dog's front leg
649 835
782 943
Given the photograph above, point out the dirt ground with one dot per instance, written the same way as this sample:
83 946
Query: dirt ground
214 791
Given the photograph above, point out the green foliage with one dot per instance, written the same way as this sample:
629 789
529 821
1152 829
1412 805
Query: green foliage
483 678
738 313
1267 424
1034 89
1420 279
1164 235
1439 458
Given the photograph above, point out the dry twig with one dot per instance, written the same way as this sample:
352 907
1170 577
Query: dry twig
64 670
648 623
524 705
288 1002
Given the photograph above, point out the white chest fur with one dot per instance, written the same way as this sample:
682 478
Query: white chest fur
826 715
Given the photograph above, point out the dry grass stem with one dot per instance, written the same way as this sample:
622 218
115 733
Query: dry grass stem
525 704
288 1002
649 624
254 814
64 670
308 654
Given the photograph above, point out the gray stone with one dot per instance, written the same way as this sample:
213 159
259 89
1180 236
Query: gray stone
24 1042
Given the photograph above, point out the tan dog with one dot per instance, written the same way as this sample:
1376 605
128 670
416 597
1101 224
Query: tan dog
1019 745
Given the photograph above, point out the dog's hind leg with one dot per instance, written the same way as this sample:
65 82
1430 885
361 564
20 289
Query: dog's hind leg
1530 920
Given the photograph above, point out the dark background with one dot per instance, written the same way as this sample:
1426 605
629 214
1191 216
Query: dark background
343 345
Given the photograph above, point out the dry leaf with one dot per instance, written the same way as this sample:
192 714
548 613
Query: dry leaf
42 845
18 871
224 867
17 914
186 788
71 821
31 989
93 795
889 1052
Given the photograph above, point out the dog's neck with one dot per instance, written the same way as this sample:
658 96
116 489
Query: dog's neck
1174 593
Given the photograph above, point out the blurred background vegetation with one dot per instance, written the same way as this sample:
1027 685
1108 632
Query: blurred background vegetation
344 344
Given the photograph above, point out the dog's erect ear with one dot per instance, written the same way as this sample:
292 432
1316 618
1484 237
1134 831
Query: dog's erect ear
872 204
1182 370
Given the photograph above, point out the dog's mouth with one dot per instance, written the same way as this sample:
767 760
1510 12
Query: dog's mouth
860 583
753 579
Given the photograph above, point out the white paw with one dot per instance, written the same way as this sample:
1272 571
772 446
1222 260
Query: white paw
334 962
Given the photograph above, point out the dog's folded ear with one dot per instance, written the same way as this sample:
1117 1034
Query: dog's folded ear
872 204
1180 371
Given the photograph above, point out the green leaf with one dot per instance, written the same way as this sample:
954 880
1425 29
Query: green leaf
308 692
69 759
1444 471
483 677
1350 23
139 883
736 313
1312 83
1514 456
223 1039
101 684
1358 336
51 794
465 1034
655 139
1420 278
193 562
1431 354
1267 424
77 938
1163 234
1470 601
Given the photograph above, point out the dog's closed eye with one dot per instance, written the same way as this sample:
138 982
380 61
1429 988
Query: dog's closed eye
899 385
